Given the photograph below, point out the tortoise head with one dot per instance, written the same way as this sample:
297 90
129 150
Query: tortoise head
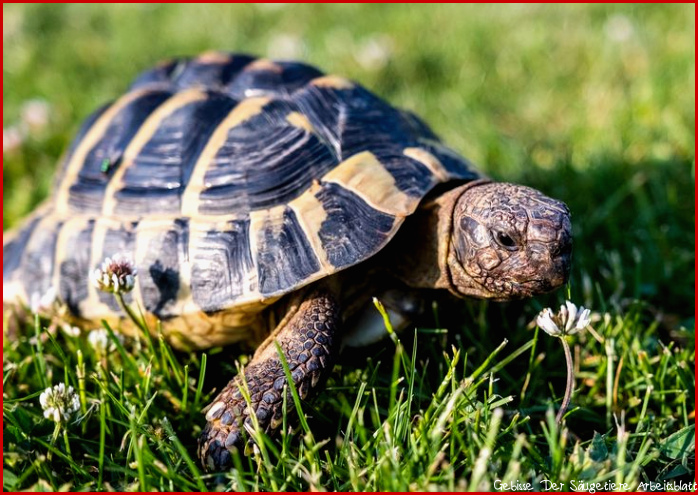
508 242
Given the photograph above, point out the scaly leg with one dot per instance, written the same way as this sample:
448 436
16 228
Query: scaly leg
308 339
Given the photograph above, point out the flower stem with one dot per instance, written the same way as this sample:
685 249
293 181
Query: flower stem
140 323
67 443
570 380
127 309
54 437
80 369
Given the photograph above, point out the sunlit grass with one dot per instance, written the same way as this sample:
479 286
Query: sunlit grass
398 423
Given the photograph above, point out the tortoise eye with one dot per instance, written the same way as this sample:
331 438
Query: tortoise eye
505 240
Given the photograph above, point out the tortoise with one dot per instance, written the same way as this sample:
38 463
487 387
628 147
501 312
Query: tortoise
265 201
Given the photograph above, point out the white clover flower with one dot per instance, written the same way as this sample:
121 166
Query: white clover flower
100 342
375 53
285 46
98 339
41 303
59 403
619 28
36 114
12 139
70 330
568 321
117 274
545 320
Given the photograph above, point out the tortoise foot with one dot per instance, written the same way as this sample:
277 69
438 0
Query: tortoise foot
308 340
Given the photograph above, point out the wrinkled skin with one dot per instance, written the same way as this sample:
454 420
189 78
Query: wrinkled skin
508 242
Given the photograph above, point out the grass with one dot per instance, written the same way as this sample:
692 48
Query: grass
592 104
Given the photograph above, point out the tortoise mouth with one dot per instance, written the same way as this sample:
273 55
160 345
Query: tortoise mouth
502 290
501 286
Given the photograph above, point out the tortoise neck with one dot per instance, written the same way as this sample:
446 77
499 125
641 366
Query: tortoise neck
419 254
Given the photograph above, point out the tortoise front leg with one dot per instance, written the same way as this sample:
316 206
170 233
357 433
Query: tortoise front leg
308 339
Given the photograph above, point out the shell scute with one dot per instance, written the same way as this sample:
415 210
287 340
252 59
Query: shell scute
231 181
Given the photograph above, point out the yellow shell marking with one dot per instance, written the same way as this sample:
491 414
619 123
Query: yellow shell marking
334 82
365 176
64 244
92 137
429 161
199 229
14 288
264 64
213 57
244 110
310 214
145 134
260 220
297 119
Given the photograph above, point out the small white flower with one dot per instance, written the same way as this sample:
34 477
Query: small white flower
285 46
70 330
41 303
546 322
35 115
375 53
100 342
59 403
98 339
568 321
619 28
12 139
116 274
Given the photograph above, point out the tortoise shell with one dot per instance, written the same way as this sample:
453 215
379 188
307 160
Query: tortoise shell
230 181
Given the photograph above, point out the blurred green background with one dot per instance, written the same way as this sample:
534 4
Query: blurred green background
593 104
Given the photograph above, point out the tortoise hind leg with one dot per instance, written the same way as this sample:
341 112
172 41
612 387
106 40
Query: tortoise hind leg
308 339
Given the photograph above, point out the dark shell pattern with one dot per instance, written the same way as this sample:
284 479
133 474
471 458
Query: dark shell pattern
230 181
